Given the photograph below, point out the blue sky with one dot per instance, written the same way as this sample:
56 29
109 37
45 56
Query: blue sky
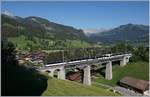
83 14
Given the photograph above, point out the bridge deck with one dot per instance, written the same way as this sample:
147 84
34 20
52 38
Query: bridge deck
89 61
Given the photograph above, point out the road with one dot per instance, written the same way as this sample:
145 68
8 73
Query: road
121 90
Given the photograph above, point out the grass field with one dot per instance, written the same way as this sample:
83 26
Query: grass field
22 42
138 70
67 88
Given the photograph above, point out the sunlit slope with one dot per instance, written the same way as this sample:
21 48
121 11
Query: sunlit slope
58 87
134 69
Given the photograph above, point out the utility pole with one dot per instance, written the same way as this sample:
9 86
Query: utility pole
63 55
95 52
84 53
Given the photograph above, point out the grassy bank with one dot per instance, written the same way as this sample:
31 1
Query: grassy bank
138 70
22 81
67 88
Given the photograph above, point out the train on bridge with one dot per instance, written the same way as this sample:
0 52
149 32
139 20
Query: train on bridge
85 64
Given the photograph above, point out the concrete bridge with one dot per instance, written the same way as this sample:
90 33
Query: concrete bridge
86 66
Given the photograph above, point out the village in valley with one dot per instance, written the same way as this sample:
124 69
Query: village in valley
128 85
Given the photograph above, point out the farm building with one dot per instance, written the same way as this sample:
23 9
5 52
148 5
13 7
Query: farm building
138 85
75 76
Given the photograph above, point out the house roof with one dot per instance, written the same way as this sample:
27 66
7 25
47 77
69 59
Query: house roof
75 76
135 83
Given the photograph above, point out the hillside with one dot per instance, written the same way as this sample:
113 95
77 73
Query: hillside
67 88
22 81
131 33
134 69
40 33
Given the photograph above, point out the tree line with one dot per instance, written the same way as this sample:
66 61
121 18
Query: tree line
139 53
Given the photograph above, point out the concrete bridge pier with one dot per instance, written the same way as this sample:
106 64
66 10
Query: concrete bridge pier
127 59
124 61
87 75
108 72
61 73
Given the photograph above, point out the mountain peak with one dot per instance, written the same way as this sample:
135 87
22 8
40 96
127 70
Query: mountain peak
8 13
129 24
36 18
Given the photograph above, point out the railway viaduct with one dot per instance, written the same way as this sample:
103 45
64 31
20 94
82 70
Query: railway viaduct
86 66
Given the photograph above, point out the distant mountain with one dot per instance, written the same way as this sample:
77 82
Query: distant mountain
91 31
39 30
38 33
131 33
7 13
37 25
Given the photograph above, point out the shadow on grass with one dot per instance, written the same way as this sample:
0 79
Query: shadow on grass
22 81
100 71
19 80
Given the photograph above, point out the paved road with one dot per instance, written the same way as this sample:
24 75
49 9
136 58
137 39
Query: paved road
125 91
120 90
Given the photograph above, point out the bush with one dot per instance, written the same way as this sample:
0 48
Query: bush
140 53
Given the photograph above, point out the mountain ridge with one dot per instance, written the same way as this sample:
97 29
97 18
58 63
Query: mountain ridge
44 34
53 34
124 33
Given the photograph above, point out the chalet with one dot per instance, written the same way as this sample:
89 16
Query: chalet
138 85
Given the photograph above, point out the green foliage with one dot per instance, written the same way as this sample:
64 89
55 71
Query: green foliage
140 53
24 43
122 48
8 53
70 54
138 70
34 43
40 31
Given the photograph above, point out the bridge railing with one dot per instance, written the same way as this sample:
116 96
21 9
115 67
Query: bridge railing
100 59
